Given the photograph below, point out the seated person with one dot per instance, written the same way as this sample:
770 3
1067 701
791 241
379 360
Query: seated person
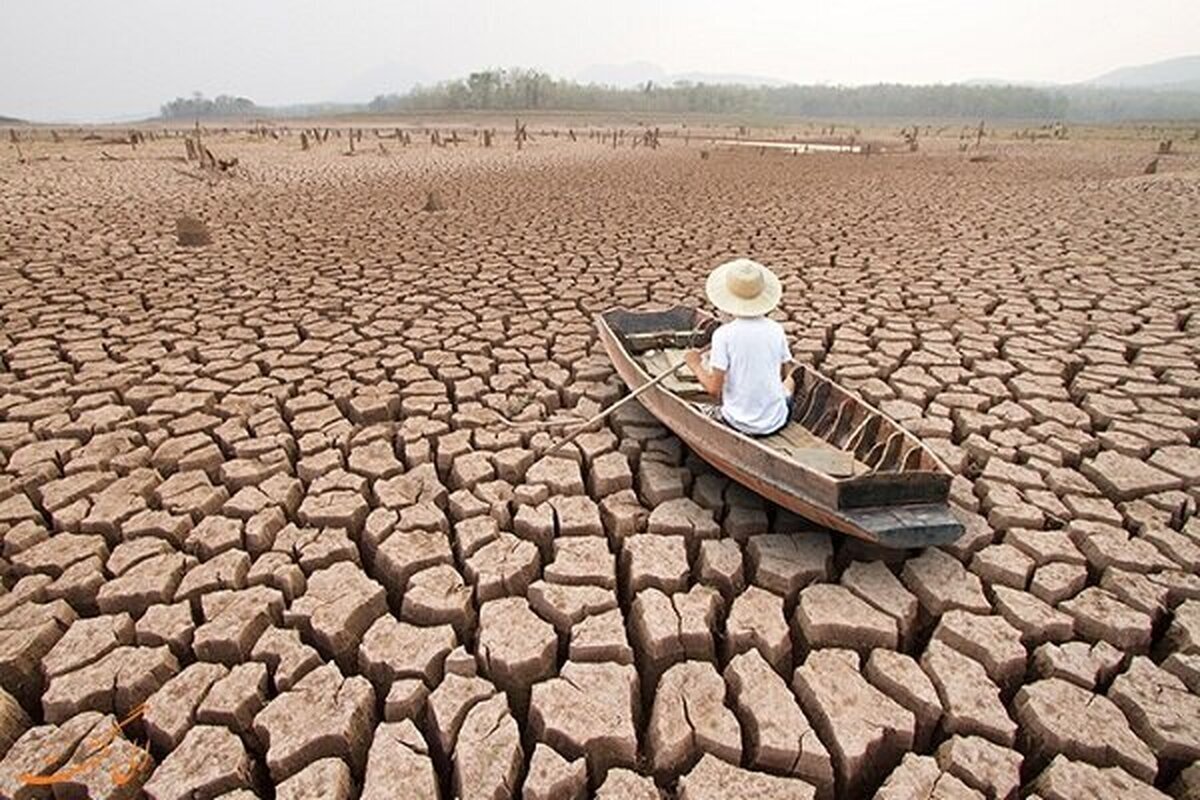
749 369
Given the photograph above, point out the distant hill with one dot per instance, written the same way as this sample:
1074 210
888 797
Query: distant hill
1007 82
622 75
635 73
11 121
728 78
1174 73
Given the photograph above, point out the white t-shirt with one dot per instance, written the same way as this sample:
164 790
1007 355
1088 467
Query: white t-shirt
750 351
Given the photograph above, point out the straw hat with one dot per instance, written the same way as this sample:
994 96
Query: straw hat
743 288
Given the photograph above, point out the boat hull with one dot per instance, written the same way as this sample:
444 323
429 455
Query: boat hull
778 479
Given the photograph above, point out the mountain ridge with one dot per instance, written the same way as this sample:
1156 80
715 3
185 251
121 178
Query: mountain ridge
635 73
1182 72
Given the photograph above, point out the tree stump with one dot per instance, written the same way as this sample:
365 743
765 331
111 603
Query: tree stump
191 232
433 202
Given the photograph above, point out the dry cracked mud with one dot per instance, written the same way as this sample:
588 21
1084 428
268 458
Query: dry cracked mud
258 488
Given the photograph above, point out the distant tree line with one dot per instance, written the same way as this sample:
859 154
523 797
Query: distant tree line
198 106
523 89
520 89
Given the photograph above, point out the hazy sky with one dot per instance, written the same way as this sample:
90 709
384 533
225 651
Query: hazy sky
98 60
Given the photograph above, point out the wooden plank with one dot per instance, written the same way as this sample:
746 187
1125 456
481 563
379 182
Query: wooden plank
654 338
816 405
866 438
683 382
673 356
892 488
891 453
841 426
654 362
908 526
834 463
800 436
681 385
812 452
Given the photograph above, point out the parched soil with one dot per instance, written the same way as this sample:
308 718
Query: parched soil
255 498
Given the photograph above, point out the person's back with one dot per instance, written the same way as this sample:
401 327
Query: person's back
751 351
748 368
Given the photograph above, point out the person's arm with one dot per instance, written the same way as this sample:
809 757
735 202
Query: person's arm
786 363
713 380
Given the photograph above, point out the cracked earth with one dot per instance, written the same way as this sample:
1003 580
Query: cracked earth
256 489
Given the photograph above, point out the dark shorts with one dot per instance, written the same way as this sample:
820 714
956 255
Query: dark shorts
714 412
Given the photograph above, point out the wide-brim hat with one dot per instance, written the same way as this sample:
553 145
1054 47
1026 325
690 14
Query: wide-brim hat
743 288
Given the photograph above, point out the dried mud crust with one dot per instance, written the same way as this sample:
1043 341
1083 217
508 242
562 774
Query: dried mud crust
258 485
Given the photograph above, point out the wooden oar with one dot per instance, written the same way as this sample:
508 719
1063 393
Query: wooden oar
536 423
583 426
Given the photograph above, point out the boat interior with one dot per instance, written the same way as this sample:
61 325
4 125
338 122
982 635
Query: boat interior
831 431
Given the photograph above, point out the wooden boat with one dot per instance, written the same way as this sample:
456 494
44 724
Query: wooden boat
839 461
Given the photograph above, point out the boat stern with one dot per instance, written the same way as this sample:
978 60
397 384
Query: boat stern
901 527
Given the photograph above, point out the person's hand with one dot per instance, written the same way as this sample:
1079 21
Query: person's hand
693 359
